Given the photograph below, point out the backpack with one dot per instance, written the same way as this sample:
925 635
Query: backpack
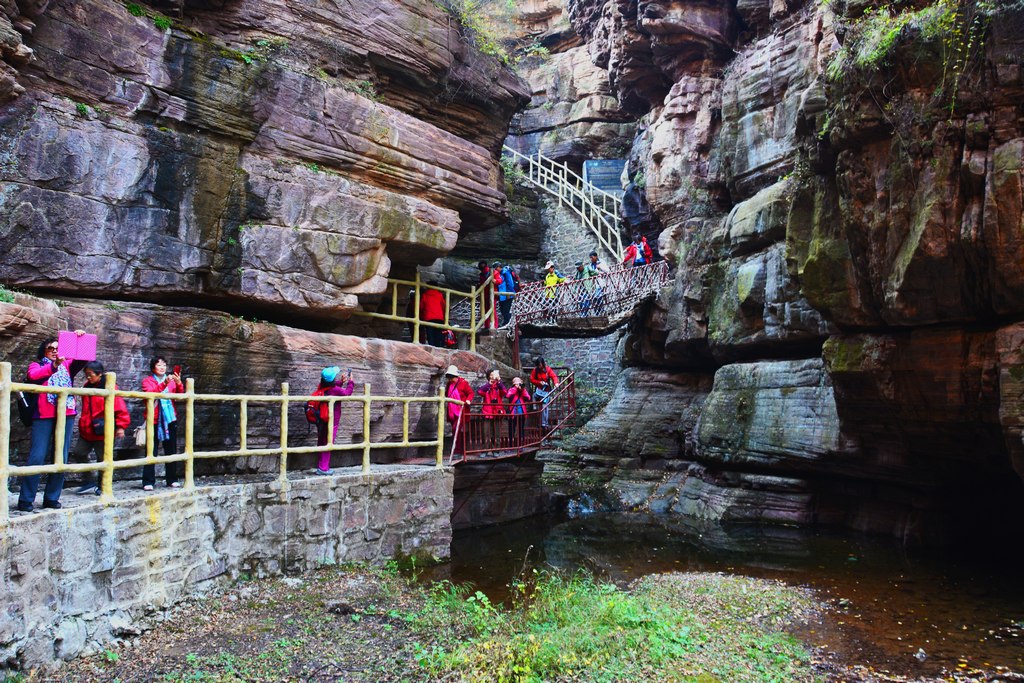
26 409
515 281
316 411
448 339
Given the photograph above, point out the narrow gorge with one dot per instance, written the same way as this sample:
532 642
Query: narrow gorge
243 186
839 187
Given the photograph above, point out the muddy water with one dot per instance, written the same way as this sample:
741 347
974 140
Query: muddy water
888 605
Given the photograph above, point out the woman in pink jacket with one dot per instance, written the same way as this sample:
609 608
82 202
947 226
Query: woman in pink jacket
518 399
332 383
165 422
52 370
493 409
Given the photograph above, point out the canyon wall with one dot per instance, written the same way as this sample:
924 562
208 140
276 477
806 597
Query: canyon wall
256 156
841 193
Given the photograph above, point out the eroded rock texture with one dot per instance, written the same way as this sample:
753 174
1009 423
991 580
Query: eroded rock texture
253 155
848 237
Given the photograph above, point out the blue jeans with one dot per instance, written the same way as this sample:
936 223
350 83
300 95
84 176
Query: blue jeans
40 451
542 396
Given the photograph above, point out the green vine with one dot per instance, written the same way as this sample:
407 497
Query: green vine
952 30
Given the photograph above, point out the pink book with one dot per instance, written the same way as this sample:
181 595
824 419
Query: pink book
73 347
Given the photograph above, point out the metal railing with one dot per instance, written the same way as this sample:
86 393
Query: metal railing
509 434
475 302
603 295
598 210
190 398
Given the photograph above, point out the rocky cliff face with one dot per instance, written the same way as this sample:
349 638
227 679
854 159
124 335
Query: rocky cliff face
258 155
841 191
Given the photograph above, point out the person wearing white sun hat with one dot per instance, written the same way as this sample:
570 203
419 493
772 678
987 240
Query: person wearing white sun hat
461 393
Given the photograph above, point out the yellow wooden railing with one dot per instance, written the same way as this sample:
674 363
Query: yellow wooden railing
190 454
480 308
598 210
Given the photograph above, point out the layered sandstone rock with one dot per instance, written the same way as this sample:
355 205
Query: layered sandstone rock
233 160
855 211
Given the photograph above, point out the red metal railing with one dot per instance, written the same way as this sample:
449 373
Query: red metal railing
507 434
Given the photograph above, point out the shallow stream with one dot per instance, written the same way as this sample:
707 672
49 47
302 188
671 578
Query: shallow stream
894 611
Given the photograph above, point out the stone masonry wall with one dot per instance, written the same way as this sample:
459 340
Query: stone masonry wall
75 580
594 359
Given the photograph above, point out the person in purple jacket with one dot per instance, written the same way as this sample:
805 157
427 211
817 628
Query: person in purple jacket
52 370
332 383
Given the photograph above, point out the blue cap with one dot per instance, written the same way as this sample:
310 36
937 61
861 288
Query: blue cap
330 374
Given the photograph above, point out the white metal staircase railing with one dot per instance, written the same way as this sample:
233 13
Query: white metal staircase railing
598 210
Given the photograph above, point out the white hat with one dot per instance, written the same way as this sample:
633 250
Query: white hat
452 370
549 264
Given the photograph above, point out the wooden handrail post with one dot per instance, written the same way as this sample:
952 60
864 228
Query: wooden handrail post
442 408
472 320
60 430
282 474
243 424
5 439
107 479
190 432
416 312
151 419
366 428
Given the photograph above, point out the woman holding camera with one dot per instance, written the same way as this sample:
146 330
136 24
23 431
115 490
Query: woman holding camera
494 396
165 419
52 370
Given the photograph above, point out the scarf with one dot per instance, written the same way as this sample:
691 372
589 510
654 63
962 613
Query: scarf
165 414
59 378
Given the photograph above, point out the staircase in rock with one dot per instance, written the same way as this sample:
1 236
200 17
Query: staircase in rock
598 210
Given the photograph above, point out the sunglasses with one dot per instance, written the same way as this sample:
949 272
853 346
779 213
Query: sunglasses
51 348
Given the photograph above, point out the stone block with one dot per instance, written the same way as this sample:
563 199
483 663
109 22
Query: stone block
69 638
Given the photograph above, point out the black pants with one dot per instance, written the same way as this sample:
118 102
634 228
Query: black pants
434 334
516 429
170 448
505 308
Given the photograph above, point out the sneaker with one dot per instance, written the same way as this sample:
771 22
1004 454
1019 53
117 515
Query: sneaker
87 488
24 507
52 504
99 491
147 487
324 472
175 485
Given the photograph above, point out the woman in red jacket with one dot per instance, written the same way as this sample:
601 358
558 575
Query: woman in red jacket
494 408
52 370
544 380
91 425
461 393
164 422
432 310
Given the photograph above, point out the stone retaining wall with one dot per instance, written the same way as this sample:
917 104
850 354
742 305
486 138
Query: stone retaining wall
594 360
75 580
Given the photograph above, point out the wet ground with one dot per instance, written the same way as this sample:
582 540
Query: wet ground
914 616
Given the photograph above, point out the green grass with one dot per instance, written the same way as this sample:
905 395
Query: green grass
6 295
680 628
